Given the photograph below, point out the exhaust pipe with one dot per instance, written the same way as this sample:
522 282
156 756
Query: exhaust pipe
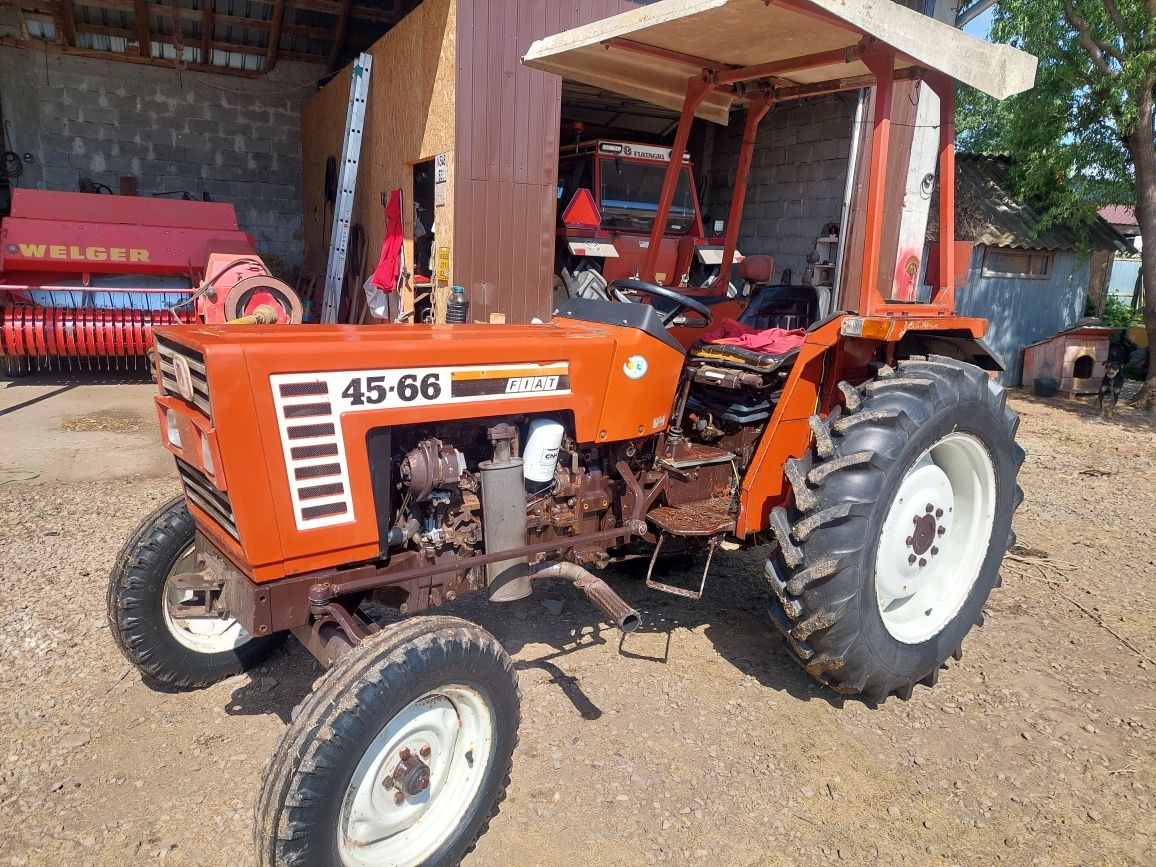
599 592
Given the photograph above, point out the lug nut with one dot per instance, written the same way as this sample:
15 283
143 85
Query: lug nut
398 798
910 539
403 753
934 550
939 513
388 782
914 519
930 508
424 752
940 531
922 562
910 559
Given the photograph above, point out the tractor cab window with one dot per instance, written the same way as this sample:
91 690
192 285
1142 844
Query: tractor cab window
630 193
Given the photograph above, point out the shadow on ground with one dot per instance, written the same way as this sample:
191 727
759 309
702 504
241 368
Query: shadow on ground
1085 406
732 615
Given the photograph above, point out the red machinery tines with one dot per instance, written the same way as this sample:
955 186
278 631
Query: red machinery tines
87 276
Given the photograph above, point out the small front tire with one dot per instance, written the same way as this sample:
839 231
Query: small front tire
400 756
181 654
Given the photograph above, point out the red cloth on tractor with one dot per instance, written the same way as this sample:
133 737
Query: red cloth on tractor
389 266
775 341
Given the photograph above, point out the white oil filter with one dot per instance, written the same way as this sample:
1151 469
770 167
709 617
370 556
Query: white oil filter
540 454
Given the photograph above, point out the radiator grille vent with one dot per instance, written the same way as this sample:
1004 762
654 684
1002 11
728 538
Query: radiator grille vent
167 353
205 496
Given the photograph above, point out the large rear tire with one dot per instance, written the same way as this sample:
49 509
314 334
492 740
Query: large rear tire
400 756
902 515
187 654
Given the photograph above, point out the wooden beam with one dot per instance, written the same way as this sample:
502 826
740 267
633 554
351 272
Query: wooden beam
64 18
41 45
207 27
143 37
333 7
339 33
319 33
274 35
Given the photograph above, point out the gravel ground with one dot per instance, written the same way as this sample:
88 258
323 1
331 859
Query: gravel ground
695 741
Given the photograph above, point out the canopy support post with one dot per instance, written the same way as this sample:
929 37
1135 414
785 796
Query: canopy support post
944 294
882 65
757 109
697 89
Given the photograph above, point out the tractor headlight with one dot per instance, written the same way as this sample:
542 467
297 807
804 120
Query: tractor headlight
207 456
171 430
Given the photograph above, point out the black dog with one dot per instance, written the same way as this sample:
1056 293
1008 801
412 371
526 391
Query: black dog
1110 387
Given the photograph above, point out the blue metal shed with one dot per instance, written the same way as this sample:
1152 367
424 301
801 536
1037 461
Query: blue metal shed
1028 280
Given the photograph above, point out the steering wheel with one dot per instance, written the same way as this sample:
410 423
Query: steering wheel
626 290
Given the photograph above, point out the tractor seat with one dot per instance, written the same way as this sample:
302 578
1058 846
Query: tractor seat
741 357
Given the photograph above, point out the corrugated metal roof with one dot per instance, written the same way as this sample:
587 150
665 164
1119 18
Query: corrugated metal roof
987 213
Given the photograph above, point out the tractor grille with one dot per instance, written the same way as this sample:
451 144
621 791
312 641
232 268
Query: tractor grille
205 496
167 352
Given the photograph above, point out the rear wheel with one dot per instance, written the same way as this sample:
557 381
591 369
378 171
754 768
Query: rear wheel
185 653
903 512
400 756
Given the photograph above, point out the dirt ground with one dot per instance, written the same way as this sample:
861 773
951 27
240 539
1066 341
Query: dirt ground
695 741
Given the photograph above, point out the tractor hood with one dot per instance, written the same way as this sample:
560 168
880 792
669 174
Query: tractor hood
249 410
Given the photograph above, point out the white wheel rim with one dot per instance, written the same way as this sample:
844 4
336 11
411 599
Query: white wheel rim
202 635
385 819
935 538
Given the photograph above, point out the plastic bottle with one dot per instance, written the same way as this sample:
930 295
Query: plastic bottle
458 309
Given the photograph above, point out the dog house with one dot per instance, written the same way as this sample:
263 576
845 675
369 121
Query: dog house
1075 358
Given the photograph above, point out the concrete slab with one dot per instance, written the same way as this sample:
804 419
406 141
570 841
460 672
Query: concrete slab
79 426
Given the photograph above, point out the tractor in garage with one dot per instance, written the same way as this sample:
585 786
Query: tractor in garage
608 194
325 467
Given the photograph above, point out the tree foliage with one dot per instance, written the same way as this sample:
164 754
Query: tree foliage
1083 137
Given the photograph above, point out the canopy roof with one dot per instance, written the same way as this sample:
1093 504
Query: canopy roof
800 46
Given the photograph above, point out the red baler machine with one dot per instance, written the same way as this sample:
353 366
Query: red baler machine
84 278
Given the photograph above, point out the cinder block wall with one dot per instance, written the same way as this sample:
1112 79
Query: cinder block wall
797 178
238 139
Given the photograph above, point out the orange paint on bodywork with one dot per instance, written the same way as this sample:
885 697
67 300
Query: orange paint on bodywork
607 406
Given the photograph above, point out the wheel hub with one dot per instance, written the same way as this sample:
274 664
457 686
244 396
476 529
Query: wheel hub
920 519
935 537
415 780
411 776
924 534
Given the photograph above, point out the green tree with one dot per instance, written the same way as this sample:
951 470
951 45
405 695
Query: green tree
1084 136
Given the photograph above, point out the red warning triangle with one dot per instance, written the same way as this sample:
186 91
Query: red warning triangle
582 212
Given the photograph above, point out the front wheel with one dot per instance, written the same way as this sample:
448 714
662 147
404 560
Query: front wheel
178 652
903 513
400 756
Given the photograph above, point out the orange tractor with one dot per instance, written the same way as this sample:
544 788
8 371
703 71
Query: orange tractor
328 466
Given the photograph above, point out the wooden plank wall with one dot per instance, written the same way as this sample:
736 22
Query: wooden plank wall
409 118
508 120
